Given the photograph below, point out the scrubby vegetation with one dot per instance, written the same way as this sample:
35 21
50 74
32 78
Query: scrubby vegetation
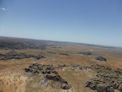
14 55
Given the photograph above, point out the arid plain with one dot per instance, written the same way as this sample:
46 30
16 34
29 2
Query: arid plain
46 66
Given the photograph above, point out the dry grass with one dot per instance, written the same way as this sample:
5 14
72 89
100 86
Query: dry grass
13 79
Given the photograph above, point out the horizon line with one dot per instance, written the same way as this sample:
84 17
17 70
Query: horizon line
28 38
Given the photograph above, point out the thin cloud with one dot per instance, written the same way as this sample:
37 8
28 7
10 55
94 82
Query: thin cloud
3 9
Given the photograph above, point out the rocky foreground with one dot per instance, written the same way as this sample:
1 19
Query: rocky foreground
61 78
106 80
48 73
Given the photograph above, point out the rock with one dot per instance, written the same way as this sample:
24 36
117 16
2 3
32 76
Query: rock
86 53
101 58
109 89
88 83
101 88
49 74
107 79
114 84
65 86
91 85
53 77
120 87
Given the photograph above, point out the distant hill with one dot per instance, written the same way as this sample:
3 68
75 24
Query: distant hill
22 43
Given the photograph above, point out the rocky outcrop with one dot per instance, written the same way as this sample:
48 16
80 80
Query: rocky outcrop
49 73
99 87
107 79
101 58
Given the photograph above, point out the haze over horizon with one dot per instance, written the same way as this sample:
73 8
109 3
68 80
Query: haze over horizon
85 21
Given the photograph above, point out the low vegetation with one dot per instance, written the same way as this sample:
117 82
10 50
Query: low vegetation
47 66
14 55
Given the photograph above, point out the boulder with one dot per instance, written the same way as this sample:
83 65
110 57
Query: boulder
65 86
90 84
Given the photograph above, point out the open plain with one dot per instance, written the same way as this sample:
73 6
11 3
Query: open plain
47 66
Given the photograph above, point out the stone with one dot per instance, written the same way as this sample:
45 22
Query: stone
101 58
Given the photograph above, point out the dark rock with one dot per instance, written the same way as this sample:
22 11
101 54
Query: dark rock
107 79
120 87
86 53
109 89
101 88
27 70
65 86
49 73
54 78
88 83
114 85
100 58
91 85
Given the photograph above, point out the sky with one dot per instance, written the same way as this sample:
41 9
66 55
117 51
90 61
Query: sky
86 21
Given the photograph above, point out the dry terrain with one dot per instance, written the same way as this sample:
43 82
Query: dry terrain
47 66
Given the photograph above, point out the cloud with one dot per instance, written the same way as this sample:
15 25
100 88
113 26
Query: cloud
3 9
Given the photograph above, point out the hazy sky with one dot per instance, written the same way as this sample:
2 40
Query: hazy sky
86 21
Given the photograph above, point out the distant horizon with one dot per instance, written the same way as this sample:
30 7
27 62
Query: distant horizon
83 21
62 41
